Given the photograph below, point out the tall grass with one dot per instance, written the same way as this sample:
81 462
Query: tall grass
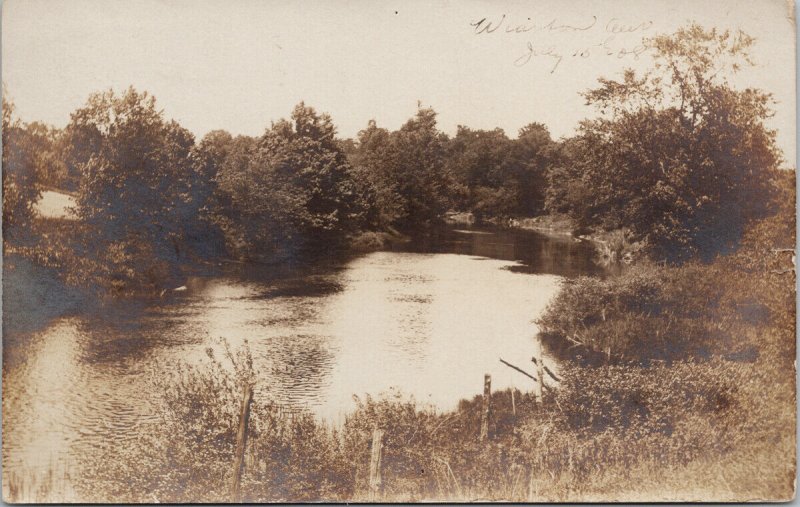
707 430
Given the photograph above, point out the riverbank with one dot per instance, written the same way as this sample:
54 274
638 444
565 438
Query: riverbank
57 240
603 434
560 225
374 241
62 245
613 247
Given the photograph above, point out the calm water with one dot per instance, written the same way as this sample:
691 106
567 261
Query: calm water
427 319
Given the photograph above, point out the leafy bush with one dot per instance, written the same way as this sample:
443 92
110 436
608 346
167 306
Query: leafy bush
646 313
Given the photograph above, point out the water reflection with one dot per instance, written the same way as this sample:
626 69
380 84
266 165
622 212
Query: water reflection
536 253
428 318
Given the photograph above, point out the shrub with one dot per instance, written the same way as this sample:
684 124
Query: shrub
646 313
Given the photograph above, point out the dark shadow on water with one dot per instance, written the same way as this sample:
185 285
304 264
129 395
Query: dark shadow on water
301 287
536 253
124 329
33 297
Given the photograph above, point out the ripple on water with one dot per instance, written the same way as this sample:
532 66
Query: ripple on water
425 324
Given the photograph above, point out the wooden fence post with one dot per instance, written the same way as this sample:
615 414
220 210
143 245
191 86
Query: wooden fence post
375 479
537 360
241 444
487 396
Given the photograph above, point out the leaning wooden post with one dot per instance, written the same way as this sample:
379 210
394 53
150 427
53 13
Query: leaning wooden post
241 443
375 479
487 396
537 360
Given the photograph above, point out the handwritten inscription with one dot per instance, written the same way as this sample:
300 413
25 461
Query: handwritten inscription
613 38
487 26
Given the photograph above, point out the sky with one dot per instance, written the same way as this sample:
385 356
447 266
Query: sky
240 64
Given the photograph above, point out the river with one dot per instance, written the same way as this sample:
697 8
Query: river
425 320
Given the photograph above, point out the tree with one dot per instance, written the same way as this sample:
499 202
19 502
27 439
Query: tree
204 232
496 176
567 190
417 160
678 155
45 144
368 156
229 161
478 162
292 191
135 186
531 156
21 188
405 172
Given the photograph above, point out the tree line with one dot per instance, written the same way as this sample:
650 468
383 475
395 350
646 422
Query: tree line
675 156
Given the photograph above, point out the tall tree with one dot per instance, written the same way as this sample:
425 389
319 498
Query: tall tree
678 155
369 158
204 232
294 192
497 176
476 159
136 176
417 158
530 158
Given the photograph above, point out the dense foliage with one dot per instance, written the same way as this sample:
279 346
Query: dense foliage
290 190
657 312
409 187
677 155
21 188
151 201
497 176
136 185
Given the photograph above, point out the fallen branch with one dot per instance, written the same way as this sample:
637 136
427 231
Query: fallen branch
546 369
518 369
525 373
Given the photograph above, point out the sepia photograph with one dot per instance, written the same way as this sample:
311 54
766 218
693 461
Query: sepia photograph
382 251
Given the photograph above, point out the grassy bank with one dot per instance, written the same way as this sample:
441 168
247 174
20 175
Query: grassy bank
686 431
